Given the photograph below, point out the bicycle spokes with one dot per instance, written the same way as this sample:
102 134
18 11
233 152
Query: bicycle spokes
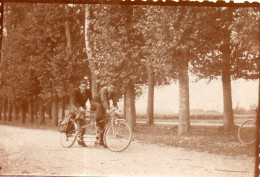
118 136
67 139
247 132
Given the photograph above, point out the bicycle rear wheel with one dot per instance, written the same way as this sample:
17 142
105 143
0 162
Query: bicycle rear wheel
247 132
118 136
68 138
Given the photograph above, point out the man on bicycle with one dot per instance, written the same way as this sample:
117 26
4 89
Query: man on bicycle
101 106
79 100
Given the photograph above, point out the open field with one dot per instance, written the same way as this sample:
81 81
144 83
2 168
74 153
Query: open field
204 116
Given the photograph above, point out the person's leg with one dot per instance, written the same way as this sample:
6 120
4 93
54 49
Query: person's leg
79 124
78 120
76 114
83 122
102 126
100 121
98 111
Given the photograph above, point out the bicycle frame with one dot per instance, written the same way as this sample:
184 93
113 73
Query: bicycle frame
113 124
113 119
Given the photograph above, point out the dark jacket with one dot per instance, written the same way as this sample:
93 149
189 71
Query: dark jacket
79 99
104 96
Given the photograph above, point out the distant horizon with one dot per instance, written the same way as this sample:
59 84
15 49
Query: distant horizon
203 96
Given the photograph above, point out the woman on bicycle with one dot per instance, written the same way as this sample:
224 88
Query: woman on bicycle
101 106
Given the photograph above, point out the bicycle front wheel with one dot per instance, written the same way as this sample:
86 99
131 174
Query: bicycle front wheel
247 132
118 136
67 139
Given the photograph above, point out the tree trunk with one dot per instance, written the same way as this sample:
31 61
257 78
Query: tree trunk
69 51
63 106
1 107
15 111
68 37
41 111
71 98
49 110
130 105
258 122
4 108
23 111
55 110
227 94
228 118
227 100
150 100
10 108
125 105
92 65
31 115
184 105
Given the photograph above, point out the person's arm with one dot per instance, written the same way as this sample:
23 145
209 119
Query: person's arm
75 101
90 96
114 100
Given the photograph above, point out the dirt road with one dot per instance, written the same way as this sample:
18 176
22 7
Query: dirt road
38 152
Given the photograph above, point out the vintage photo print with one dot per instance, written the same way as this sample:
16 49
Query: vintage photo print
129 88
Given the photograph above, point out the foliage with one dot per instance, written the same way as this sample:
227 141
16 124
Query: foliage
150 25
246 29
35 53
245 36
116 44
214 38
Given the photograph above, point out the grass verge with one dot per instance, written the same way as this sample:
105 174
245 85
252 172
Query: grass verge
200 138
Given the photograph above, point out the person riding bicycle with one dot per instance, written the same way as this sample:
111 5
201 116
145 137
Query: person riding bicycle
101 106
79 100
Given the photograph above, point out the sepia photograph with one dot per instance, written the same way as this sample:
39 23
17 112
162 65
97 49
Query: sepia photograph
129 90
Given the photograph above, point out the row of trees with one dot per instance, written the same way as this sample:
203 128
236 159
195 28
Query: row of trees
48 48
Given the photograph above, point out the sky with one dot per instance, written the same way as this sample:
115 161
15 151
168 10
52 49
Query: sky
202 96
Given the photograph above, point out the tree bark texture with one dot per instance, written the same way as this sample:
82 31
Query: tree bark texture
10 108
1 108
55 109
184 105
4 103
69 52
41 111
92 65
49 110
150 100
15 110
31 115
227 102
23 113
228 118
130 105
71 98
258 121
68 38
63 106
125 105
